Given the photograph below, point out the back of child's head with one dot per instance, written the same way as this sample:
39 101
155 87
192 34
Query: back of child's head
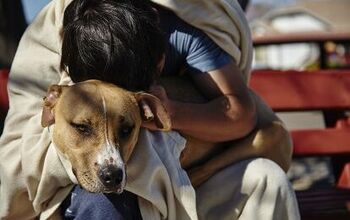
112 40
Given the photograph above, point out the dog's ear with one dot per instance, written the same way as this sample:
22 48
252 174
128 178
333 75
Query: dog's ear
153 111
52 95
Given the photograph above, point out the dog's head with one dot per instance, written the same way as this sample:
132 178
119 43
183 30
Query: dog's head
96 128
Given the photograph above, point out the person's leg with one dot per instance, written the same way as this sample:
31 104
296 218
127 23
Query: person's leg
83 205
251 189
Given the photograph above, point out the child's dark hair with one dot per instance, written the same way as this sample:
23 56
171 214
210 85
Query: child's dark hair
118 41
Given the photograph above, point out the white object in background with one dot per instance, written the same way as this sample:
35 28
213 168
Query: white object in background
302 120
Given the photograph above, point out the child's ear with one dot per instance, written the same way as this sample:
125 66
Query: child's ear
152 110
52 95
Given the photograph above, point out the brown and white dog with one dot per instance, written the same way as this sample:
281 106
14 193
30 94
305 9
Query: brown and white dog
97 126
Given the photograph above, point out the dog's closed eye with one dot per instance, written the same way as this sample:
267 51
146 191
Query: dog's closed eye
83 129
125 131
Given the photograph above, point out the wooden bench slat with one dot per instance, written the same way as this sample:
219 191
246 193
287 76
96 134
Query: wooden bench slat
321 141
323 199
344 179
300 37
293 91
4 101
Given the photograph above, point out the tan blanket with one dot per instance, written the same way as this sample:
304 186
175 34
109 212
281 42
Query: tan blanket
35 179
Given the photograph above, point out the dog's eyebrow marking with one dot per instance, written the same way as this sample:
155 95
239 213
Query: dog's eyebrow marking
105 119
110 149
109 145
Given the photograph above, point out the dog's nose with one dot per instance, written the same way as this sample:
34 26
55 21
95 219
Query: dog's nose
111 176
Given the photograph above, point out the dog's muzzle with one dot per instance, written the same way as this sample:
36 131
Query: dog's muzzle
111 169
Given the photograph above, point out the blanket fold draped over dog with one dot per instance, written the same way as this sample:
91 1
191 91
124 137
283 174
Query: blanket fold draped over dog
35 178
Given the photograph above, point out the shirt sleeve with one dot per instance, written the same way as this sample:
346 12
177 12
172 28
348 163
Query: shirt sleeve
189 47
203 54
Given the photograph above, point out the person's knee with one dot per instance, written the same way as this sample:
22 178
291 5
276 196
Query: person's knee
270 194
267 174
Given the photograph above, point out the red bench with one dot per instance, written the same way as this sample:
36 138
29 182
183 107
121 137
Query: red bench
4 101
327 91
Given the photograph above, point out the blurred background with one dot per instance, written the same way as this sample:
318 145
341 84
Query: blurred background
15 15
290 17
299 46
